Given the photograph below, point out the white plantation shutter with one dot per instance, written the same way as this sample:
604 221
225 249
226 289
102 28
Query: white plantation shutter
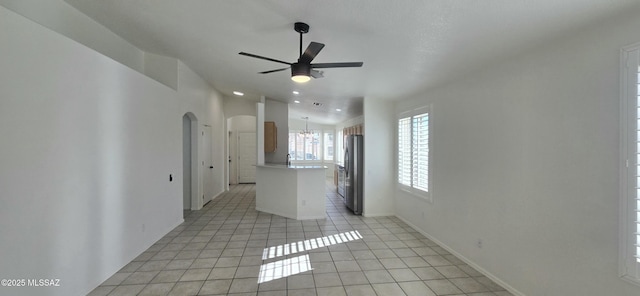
636 204
637 231
404 151
630 165
413 152
420 160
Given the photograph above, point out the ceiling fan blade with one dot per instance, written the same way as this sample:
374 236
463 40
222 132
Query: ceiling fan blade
310 53
263 58
336 65
271 71
316 74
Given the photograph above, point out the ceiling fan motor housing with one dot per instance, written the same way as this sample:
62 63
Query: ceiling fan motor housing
300 69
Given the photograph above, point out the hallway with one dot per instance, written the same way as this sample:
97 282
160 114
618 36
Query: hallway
226 249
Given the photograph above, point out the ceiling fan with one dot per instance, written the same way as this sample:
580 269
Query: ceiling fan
303 69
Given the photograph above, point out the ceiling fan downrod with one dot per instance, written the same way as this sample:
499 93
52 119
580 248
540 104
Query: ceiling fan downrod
301 28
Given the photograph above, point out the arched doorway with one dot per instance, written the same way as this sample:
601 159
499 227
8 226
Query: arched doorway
189 162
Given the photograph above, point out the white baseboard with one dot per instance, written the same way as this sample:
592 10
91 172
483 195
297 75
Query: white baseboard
275 213
464 259
311 217
291 216
377 215
218 195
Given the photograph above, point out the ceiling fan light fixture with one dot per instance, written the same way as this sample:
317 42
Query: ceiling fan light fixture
300 78
300 73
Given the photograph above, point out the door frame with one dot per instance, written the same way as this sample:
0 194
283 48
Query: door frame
194 177
206 160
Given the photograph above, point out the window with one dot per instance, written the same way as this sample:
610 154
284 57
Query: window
328 145
316 146
630 164
304 146
413 152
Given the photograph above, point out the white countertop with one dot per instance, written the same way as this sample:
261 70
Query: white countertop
294 166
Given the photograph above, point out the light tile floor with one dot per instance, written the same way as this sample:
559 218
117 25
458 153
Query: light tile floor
219 251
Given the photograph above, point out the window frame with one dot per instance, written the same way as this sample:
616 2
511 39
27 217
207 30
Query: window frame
338 144
422 194
629 265
326 149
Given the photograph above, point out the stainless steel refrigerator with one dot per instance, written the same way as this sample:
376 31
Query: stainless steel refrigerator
354 173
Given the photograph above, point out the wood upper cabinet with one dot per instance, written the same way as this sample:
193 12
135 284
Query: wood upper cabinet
353 130
358 130
270 136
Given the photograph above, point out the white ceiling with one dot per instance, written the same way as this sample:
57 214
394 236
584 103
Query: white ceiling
406 46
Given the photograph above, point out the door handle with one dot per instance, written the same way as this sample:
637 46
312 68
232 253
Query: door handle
211 167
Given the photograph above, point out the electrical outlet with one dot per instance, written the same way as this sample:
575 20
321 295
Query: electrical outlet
304 202
479 243
422 214
143 227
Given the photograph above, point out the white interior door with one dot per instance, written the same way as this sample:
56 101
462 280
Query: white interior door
246 157
207 165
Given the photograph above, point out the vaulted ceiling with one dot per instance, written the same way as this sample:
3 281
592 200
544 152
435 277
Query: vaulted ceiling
407 46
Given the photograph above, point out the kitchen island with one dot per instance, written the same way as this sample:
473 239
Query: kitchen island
292 191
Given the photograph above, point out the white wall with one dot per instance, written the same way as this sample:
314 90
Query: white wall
278 112
63 18
525 157
101 142
198 97
234 106
299 124
377 198
218 122
350 122
260 159
189 161
161 68
87 148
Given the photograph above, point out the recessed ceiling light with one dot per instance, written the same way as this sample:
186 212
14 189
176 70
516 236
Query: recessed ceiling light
237 93
338 109
296 101
295 92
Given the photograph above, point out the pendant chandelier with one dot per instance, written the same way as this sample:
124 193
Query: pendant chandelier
306 130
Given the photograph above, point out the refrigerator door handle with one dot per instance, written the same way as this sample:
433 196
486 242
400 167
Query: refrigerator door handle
346 162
